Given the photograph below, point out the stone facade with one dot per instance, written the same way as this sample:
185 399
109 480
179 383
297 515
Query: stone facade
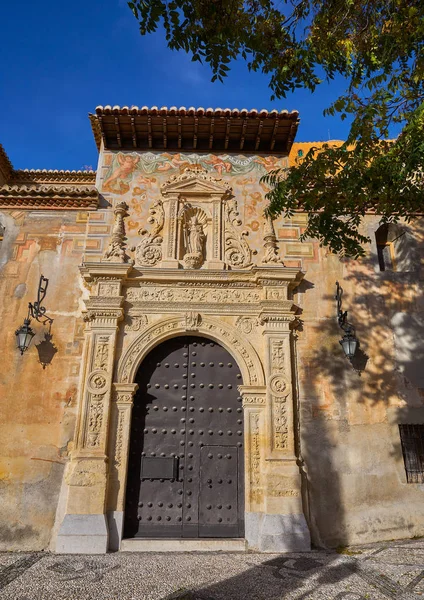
178 243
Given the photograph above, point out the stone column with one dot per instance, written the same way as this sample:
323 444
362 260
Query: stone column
118 453
84 528
282 527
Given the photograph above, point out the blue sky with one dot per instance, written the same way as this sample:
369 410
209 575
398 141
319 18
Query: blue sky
60 60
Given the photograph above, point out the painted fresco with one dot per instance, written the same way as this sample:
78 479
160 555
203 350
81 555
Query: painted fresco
137 178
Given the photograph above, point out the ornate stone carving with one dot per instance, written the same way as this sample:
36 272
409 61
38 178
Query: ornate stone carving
279 385
192 321
95 420
97 382
102 353
194 174
260 400
247 324
253 373
120 432
255 458
279 411
116 249
192 294
277 356
149 251
270 244
107 289
136 322
237 251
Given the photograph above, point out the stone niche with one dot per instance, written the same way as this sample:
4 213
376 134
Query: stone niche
193 271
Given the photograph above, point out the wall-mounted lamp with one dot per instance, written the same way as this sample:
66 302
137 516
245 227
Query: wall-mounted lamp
349 342
25 334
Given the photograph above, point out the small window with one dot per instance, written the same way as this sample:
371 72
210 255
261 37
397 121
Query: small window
395 248
2 230
412 440
300 153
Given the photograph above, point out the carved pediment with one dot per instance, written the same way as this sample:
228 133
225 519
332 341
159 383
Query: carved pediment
196 181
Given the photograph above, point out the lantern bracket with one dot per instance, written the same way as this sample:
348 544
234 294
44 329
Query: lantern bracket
344 324
37 311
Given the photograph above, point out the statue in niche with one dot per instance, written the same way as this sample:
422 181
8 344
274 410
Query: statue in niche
196 236
193 221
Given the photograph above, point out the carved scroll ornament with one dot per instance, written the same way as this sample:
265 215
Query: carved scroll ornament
149 251
238 254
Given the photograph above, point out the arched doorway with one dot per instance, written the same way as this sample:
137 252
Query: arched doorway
186 459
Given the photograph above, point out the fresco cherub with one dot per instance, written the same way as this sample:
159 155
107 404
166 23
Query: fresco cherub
115 183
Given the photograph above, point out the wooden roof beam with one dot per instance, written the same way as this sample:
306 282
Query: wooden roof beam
211 133
134 133
118 132
227 133
102 131
243 133
149 131
274 134
258 134
179 132
196 124
165 135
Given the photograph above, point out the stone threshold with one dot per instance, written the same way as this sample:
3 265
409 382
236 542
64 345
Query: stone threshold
184 545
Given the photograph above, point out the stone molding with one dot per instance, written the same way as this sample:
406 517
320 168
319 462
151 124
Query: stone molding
229 337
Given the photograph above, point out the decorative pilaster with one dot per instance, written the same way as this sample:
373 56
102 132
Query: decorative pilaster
118 452
84 528
254 405
283 526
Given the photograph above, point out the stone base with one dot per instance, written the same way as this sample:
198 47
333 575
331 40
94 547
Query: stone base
197 545
83 534
115 520
277 533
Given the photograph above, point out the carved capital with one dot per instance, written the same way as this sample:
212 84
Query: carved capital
123 393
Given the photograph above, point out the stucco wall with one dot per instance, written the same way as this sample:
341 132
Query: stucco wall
38 405
355 485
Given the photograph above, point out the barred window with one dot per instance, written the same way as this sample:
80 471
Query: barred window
412 440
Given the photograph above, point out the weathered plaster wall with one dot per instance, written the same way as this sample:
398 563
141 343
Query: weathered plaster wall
349 419
355 485
37 406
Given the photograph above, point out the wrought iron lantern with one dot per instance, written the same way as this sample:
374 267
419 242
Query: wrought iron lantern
349 342
25 334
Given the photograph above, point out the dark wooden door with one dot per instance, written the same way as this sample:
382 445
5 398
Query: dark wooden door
185 474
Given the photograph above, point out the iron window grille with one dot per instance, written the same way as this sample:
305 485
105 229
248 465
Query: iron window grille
412 440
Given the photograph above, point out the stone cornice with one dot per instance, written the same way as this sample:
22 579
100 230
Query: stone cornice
262 276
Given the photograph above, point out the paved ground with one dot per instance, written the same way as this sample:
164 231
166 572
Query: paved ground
393 570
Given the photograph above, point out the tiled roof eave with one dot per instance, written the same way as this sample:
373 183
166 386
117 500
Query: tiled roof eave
48 197
194 129
52 176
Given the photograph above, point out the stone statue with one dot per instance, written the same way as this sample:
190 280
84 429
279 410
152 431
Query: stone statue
196 237
193 222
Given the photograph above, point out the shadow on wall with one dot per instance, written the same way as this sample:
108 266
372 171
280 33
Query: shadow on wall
349 413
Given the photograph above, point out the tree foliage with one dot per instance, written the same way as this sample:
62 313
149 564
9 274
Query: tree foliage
376 45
